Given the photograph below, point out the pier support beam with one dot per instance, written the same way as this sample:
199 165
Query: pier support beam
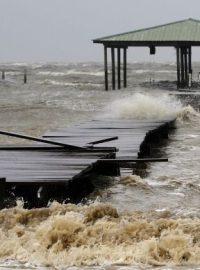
125 67
119 67
190 66
113 67
178 66
184 66
106 67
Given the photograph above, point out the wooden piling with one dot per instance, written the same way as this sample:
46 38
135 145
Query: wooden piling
25 76
190 66
106 68
125 67
113 67
182 68
186 66
190 59
3 75
119 67
178 66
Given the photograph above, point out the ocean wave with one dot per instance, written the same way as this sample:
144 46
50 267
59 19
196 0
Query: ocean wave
69 72
58 83
187 114
51 73
164 71
96 234
13 73
134 180
92 73
142 71
145 106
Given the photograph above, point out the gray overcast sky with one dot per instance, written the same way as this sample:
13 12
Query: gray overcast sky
62 30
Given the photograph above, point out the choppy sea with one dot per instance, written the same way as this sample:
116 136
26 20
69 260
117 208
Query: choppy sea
131 222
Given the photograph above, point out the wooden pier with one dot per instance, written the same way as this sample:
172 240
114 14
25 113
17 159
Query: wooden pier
60 164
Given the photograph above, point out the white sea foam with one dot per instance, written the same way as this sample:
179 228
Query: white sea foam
164 71
51 73
141 71
76 72
70 72
58 83
146 106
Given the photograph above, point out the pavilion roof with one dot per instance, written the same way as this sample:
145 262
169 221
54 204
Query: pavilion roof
185 31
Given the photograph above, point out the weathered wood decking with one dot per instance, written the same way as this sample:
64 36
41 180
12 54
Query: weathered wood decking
82 149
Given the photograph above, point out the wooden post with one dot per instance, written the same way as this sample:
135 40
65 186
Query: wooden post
182 68
125 67
113 67
178 66
119 68
25 76
186 66
190 65
106 67
190 59
3 75
2 192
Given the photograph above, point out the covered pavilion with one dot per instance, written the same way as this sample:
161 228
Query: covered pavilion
182 35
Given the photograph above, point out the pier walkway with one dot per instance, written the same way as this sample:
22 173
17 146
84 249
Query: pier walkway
67 156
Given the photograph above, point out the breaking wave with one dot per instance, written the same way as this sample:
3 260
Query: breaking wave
144 106
70 72
62 83
96 234
134 180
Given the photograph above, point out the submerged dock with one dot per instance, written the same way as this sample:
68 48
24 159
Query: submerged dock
61 163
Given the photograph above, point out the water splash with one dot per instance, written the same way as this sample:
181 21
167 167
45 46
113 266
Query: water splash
96 234
187 114
145 106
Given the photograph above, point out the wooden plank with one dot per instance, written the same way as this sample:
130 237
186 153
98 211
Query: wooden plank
104 140
87 151
39 164
20 136
126 160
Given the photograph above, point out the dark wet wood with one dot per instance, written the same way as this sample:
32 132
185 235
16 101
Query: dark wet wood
113 67
178 66
119 68
125 67
44 164
106 67
25 137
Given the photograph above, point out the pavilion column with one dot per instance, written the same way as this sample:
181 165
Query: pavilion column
106 67
186 66
190 59
190 65
182 67
178 66
113 67
125 67
119 67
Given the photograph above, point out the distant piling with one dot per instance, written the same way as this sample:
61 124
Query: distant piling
25 76
3 75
